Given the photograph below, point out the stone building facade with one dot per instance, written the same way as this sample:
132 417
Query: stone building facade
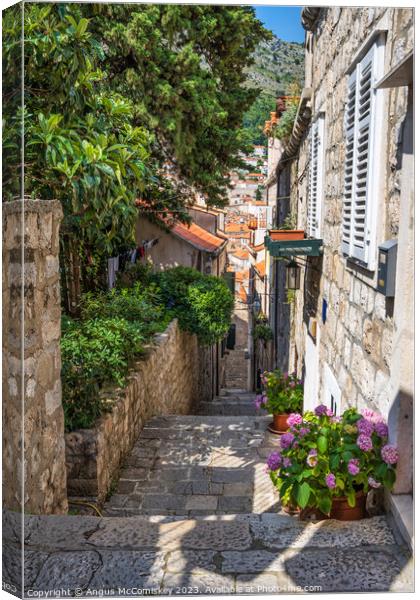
347 175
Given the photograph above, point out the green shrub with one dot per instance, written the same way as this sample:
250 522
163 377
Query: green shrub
262 331
203 304
138 304
94 353
97 350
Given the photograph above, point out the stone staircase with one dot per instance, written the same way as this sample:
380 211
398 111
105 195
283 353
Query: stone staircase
233 402
196 513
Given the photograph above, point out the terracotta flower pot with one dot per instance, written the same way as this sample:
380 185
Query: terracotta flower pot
284 235
343 512
340 510
279 424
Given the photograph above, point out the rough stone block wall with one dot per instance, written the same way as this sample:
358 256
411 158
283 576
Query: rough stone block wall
38 485
166 382
357 339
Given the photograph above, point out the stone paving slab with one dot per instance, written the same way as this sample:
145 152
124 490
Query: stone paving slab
194 456
211 553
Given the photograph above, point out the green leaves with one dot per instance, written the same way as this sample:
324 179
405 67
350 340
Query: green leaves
303 494
322 444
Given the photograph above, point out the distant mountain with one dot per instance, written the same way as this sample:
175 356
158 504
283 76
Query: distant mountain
277 65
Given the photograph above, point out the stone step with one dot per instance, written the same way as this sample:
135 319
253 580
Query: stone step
227 408
237 553
233 391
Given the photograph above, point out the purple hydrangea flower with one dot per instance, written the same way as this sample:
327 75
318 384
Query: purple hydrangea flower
303 431
294 419
258 401
381 429
321 410
336 419
312 458
389 454
286 440
274 461
364 442
286 462
373 483
353 466
365 427
330 480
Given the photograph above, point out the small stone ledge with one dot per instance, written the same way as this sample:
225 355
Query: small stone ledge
31 205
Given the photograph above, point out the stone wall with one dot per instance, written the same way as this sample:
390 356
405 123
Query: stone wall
168 381
357 341
31 291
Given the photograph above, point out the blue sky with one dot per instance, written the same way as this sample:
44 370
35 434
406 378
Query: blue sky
284 21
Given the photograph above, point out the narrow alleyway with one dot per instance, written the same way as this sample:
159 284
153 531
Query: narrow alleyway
236 364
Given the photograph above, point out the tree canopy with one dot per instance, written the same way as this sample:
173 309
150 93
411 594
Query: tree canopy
124 102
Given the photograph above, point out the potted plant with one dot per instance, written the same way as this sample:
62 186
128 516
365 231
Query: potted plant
282 395
328 463
288 231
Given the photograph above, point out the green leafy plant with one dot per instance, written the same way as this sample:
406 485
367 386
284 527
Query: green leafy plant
289 222
324 456
203 304
94 353
263 331
284 127
282 393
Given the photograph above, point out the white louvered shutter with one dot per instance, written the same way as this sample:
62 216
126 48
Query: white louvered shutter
359 201
361 230
350 123
315 180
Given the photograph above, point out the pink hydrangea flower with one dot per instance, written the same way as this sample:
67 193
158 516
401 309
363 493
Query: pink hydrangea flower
373 483
389 454
330 480
294 419
286 440
372 416
353 466
364 442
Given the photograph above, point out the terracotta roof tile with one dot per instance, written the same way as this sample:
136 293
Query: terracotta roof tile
260 268
198 237
236 228
242 254
242 294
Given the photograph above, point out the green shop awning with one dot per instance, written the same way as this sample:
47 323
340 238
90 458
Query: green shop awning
293 247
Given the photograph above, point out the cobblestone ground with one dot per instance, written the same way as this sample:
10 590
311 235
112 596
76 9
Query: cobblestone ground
195 513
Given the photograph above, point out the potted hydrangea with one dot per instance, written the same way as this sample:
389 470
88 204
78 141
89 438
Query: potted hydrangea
329 463
282 395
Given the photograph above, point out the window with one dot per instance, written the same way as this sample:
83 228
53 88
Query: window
362 128
316 169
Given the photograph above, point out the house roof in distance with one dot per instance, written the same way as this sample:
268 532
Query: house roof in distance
198 237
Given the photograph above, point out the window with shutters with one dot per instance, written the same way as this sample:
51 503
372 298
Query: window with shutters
362 126
315 191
